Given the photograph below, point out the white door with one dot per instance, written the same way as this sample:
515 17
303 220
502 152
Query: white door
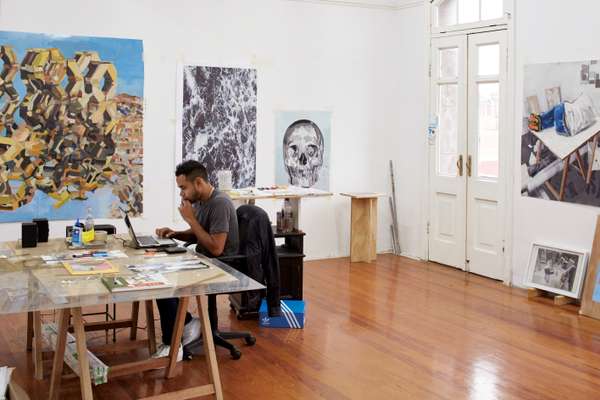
485 180
447 216
466 182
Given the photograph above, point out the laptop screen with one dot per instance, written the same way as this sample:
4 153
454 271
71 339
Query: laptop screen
130 228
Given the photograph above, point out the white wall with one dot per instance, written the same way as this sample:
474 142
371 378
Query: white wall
404 140
361 64
550 32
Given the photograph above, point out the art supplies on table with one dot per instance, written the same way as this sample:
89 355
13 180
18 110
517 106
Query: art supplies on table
90 267
136 282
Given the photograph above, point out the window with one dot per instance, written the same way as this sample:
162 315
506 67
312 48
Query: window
458 12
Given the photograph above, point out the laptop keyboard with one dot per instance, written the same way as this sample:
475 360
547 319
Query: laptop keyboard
146 240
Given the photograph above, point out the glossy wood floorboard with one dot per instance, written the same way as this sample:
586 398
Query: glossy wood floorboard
393 329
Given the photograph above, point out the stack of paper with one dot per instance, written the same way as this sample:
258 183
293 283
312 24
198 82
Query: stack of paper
98 370
5 373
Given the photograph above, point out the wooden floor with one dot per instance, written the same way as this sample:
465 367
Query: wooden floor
394 329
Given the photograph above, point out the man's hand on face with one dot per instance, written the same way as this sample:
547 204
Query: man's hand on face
165 232
187 211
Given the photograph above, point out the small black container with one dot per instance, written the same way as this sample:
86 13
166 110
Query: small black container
42 229
29 234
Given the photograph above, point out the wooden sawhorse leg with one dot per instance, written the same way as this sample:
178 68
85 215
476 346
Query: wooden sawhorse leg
591 157
59 354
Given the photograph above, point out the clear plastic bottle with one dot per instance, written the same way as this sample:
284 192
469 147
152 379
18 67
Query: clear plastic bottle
76 234
288 220
88 230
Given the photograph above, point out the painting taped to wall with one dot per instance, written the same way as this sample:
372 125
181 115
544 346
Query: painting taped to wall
303 148
217 121
560 158
71 126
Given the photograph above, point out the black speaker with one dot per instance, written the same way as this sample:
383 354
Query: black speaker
42 229
29 234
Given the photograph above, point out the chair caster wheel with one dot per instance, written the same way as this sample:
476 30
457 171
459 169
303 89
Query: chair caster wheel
250 341
235 354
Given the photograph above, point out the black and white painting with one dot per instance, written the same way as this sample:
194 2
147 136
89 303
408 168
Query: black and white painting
556 270
560 158
303 148
217 121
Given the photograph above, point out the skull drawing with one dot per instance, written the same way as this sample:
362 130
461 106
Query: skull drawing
303 149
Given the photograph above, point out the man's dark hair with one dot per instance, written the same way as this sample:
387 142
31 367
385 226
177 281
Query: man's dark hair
191 169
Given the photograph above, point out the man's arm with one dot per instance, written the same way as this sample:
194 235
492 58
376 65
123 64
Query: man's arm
214 244
184 236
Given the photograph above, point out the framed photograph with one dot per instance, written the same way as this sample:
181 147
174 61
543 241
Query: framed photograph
590 299
556 270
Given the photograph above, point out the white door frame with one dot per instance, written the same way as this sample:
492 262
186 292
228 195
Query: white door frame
508 141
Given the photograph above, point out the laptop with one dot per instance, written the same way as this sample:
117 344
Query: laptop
144 242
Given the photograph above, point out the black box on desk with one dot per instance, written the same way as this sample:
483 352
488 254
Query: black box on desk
29 234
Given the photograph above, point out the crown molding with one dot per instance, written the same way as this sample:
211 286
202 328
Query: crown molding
375 4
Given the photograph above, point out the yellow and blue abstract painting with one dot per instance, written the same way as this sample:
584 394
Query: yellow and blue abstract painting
71 126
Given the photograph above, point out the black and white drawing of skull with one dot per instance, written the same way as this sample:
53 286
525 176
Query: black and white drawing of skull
303 150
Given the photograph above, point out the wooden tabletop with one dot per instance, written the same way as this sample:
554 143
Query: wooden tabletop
363 195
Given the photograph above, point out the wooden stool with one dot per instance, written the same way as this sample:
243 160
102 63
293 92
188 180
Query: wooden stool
363 229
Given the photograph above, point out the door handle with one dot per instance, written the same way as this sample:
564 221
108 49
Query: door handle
459 165
469 162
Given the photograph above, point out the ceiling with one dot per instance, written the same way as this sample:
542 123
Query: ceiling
384 4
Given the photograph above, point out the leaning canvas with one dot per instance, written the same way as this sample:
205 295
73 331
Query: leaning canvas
303 148
556 270
560 158
71 126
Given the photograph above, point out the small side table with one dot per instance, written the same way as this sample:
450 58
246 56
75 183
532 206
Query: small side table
363 228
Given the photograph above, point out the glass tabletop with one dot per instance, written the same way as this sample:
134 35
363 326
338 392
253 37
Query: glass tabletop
35 279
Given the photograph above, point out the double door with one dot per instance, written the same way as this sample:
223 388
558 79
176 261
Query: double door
466 170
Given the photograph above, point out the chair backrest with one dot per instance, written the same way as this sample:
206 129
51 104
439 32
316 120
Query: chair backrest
108 228
247 214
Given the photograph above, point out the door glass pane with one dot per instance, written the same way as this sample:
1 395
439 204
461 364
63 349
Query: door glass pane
447 13
488 128
449 63
448 129
491 9
489 59
468 11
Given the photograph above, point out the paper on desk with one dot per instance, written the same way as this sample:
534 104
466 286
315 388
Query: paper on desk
83 255
172 266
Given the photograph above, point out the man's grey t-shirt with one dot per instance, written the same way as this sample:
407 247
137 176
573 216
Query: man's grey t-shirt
217 215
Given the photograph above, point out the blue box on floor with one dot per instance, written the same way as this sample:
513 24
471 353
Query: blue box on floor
292 315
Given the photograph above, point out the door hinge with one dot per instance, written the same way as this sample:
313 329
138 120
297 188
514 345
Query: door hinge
430 70
428 228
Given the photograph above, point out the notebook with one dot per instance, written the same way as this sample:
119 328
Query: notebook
90 267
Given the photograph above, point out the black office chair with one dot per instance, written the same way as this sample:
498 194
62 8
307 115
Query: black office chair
256 251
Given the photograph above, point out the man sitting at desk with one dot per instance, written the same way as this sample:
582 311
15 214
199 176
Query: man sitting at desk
213 225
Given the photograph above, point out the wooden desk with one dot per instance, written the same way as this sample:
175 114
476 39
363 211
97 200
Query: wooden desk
363 229
28 284
293 194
